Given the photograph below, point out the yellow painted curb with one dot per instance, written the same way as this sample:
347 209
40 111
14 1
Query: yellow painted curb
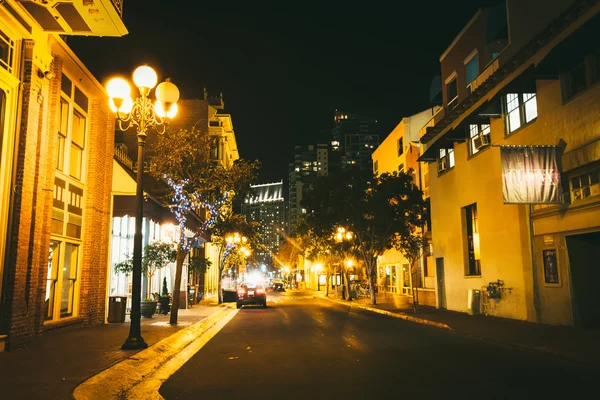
140 376
391 314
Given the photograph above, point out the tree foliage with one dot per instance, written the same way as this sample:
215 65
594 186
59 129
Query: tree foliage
383 212
198 184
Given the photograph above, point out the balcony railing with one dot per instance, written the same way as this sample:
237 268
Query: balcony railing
121 155
118 6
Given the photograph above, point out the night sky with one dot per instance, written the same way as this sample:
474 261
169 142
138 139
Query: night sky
284 68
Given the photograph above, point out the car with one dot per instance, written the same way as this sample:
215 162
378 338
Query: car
277 285
250 293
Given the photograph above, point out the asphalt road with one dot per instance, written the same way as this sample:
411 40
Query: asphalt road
304 348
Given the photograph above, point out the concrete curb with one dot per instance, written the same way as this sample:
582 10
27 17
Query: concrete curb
403 316
144 372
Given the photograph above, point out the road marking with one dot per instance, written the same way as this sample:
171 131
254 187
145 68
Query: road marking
141 376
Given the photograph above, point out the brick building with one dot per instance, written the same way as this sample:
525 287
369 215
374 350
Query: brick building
55 174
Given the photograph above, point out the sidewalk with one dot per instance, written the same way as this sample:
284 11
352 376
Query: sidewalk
56 362
576 345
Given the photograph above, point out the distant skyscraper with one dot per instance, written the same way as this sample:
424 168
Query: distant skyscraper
309 163
355 137
266 207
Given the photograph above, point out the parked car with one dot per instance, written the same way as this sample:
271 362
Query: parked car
277 285
249 293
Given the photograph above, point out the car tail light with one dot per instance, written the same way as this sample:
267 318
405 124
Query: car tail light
260 290
241 291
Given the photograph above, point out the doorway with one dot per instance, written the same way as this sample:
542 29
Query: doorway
439 273
584 253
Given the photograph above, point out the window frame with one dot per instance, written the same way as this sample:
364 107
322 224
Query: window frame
452 102
473 135
520 110
474 54
55 283
472 246
449 156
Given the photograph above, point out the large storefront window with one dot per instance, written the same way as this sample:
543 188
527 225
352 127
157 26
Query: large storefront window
61 280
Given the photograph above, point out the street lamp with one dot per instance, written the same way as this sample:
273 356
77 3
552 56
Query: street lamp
344 235
142 114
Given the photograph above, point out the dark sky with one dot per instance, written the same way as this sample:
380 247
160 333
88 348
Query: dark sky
285 67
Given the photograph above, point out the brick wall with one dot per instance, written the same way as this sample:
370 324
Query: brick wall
32 211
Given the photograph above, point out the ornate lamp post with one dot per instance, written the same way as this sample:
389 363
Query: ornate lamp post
343 235
141 114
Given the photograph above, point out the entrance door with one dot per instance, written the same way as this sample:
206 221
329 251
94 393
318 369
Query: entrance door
584 253
439 273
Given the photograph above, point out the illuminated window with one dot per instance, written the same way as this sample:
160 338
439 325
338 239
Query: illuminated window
585 185
520 109
479 137
445 160
471 219
61 280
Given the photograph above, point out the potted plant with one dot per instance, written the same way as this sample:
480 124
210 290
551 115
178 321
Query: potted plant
156 256
164 299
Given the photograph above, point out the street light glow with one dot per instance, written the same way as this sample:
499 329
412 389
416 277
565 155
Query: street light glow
145 77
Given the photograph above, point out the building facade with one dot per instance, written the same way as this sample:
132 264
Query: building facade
266 206
354 138
56 169
309 163
400 151
539 90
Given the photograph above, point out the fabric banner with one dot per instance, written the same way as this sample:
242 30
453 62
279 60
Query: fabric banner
531 174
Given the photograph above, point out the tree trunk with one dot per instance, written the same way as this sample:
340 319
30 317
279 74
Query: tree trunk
347 278
372 273
327 276
181 255
220 287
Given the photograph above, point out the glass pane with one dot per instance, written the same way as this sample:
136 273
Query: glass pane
69 276
75 165
577 81
60 152
66 85
472 69
52 270
78 134
451 158
512 101
531 112
452 90
594 178
81 99
514 120
64 117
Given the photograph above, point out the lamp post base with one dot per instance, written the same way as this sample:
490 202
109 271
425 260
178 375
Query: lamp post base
134 343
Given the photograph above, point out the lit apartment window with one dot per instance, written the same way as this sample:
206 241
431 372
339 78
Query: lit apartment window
472 236
445 160
585 185
452 91
582 76
479 137
520 109
400 146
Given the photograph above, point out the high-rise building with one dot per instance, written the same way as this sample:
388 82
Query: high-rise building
309 163
354 138
266 206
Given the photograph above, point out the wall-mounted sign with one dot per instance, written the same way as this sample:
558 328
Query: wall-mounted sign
548 240
550 266
530 175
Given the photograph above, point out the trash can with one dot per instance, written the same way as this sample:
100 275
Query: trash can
116 308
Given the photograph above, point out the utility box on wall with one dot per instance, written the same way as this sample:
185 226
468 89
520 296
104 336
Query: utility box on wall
474 302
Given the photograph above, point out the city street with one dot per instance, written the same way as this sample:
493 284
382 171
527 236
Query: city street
302 347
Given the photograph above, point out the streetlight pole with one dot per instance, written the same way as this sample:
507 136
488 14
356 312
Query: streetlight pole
142 114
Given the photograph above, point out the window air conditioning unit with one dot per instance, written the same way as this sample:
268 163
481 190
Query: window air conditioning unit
481 141
595 189
442 164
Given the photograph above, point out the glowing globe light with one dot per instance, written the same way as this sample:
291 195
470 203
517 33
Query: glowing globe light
145 77
166 92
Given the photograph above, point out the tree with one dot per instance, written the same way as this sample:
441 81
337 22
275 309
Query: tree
156 256
228 224
199 187
380 211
